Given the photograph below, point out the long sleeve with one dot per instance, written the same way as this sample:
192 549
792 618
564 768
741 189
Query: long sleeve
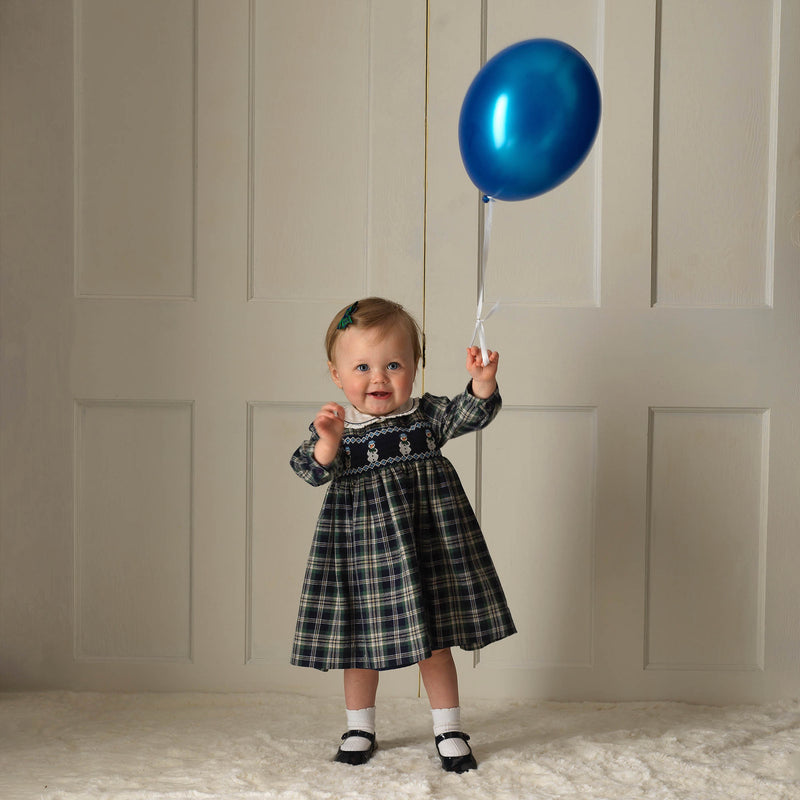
308 468
465 413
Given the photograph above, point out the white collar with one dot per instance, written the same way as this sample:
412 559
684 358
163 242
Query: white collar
356 419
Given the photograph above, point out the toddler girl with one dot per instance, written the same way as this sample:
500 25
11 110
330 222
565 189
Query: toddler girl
398 571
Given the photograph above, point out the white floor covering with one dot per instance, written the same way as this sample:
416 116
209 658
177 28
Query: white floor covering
229 746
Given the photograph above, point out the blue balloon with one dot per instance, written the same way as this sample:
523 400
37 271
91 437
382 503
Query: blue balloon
529 119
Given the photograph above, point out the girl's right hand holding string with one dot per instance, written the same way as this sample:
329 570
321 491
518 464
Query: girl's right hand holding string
329 424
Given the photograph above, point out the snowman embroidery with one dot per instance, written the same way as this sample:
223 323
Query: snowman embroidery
429 440
372 453
405 445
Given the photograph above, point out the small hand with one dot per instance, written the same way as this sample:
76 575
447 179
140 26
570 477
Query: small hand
329 424
484 378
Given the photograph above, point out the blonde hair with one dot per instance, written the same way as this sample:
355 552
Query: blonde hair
375 312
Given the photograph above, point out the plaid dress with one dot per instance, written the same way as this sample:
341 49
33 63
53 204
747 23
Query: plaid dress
398 566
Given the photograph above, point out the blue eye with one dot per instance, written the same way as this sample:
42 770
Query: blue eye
362 368
394 365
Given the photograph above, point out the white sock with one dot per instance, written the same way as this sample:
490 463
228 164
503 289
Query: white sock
361 720
444 721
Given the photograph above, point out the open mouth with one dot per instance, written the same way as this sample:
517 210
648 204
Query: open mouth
380 395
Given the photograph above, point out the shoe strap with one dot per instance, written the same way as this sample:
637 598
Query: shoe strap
362 734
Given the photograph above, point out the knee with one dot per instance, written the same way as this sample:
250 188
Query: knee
438 656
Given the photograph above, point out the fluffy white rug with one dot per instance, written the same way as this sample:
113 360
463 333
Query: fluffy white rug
181 746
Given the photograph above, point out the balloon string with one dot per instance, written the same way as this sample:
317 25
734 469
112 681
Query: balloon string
480 317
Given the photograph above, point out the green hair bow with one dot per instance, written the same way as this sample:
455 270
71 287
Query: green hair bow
347 319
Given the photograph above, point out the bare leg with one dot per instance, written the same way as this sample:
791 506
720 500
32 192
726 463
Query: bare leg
441 679
441 683
360 688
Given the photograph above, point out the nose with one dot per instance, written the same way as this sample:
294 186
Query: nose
379 376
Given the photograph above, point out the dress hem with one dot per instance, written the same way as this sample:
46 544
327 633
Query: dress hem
410 662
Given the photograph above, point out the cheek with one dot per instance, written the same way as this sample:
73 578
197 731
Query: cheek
355 383
406 382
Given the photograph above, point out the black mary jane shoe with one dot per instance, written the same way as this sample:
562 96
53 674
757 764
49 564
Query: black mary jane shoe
356 757
456 763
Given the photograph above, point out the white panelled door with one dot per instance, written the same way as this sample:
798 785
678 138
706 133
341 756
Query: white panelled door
639 490
190 190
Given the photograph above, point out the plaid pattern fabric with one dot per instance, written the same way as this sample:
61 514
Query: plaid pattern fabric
398 566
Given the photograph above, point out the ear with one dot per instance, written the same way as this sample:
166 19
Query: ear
334 374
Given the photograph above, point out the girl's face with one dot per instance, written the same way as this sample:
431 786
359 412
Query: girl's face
375 369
